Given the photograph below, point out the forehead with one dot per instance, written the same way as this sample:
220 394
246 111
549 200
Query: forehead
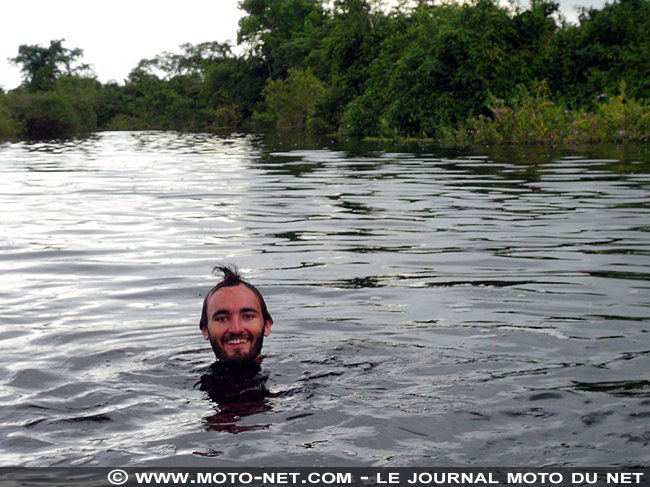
234 298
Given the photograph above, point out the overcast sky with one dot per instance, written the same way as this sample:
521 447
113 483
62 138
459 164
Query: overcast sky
116 35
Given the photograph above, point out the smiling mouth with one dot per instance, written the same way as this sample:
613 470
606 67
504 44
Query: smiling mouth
237 341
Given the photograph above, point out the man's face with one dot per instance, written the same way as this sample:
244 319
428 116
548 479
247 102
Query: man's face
236 327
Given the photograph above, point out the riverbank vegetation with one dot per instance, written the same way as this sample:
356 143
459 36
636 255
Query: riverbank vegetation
475 73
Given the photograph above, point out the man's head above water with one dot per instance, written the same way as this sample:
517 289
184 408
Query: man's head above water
235 319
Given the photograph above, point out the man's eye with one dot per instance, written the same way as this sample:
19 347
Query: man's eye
249 316
220 319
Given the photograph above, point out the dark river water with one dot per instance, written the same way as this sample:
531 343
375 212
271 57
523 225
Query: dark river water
430 308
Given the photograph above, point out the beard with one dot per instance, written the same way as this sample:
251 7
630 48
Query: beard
237 356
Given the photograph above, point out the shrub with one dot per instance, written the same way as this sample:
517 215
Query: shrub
45 115
9 126
226 116
534 118
122 121
69 109
291 103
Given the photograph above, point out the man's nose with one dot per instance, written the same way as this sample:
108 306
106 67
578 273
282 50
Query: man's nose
236 325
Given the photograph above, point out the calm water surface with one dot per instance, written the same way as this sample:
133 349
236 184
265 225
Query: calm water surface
430 308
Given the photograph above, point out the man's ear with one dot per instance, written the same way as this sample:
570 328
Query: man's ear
267 327
204 331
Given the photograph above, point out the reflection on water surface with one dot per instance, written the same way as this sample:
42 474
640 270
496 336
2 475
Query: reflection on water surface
432 308
237 393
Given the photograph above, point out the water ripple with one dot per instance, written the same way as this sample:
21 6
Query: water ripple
431 308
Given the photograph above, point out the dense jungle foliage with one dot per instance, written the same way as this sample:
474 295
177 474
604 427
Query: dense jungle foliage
456 73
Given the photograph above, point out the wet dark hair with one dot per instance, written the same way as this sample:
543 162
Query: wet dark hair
231 277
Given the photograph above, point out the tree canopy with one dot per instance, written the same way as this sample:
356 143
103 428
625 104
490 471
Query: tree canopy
42 66
353 67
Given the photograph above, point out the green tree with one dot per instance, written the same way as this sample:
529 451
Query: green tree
609 45
353 35
232 90
189 90
42 66
443 64
193 60
281 32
